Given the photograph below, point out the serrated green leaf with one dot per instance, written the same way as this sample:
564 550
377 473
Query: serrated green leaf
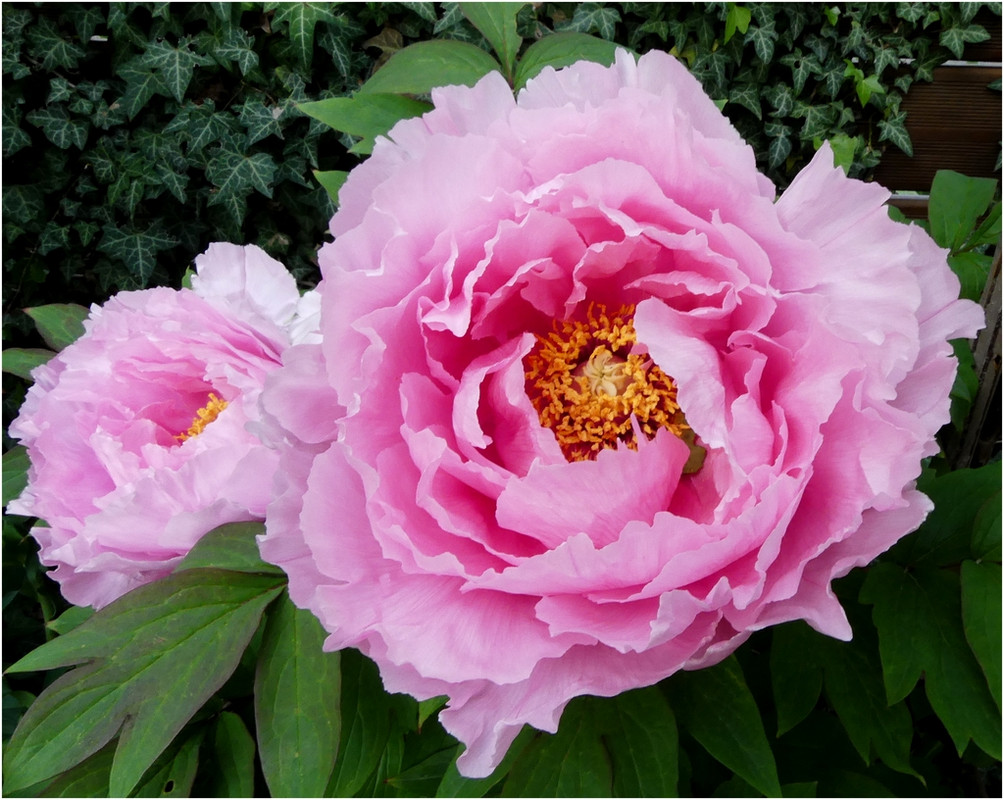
137 250
796 674
59 324
232 546
149 661
21 361
715 706
297 693
365 730
497 22
15 472
332 181
59 128
233 757
981 619
559 50
419 68
956 205
919 619
301 19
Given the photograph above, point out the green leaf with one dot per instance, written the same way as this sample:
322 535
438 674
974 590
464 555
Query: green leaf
59 324
260 120
142 83
844 147
497 21
946 536
232 546
986 540
419 68
173 773
297 692
237 174
956 38
22 204
972 270
956 205
590 17
233 757
15 472
796 676
715 706
919 618
747 95
237 46
88 779
570 763
136 249
174 65
59 128
48 44
366 710
737 19
21 361
894 130
454 784
148 662
763 38
981 619
72 618
332 181
989 231
639 731
366 115
301 19
559 50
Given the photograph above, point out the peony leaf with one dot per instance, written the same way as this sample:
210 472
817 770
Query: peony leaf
148 662
15 472
796 673
365 115
497 21
972 270
570 763
918 614
332 181
88 779
59 324
233 757
559 50
231 546
986 541
981 619
956 205
73 617
419 68
297 691
715 706
173 774
456 785
366 710
639 731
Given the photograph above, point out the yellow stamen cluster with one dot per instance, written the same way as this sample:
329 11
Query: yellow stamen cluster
587 387
209 412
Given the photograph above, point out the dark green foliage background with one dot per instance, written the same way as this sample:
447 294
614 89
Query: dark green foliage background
134 134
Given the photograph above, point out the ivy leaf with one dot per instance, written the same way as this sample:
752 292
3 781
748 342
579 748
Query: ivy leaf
297 693
737 19
590 17
778 150
748 96
236 175
86 19
237 46
59 128
14 138
301 19
15 472
260 120
715 706
559 50
919 619
148 662
48 44
894 130
174 65
22 204
59 324
956 38
21 361
420 67
142 83
981 619
763 38
136 249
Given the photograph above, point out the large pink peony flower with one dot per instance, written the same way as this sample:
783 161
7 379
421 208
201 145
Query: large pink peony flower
136 432
591 406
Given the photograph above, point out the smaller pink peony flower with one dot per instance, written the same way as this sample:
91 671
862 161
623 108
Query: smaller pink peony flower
138 431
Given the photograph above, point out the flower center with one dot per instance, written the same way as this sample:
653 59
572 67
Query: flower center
587 387
209 412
